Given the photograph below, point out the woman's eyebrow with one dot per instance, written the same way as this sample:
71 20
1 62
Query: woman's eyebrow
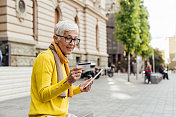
72 36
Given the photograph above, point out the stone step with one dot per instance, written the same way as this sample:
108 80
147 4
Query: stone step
15 82
7 73
16 76
9 81
14 68
15 85
14 96
14 91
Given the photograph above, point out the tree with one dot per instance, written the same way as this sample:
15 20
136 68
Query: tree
127 29
147 53
159 58
144 32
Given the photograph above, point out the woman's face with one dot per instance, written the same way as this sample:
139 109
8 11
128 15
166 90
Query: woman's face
66 46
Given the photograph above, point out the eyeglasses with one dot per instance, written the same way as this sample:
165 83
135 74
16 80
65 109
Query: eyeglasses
69 40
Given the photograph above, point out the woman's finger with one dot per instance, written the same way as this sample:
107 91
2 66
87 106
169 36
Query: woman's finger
88 88
77 75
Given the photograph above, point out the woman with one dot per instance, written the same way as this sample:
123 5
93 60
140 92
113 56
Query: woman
148 71
51 80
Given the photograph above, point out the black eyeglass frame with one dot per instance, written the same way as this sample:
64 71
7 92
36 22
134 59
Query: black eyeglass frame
70 40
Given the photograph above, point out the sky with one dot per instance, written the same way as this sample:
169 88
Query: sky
162 21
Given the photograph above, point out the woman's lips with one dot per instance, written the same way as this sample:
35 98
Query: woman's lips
70 48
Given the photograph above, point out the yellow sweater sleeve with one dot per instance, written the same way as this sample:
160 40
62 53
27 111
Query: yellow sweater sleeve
76 90
43 72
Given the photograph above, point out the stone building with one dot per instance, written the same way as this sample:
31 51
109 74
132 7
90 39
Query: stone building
172 52
27 27
115 49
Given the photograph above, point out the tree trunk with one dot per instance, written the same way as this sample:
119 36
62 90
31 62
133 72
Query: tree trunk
137 72
128 66
143 66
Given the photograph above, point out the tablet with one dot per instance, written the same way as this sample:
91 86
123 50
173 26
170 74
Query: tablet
93 78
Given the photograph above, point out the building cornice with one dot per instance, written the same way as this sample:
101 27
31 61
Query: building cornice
79 52
86 7
97 54
79 3
18 40
44 47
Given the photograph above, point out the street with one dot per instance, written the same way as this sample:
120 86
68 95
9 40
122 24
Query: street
113 97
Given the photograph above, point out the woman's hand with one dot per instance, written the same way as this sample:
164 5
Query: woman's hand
82 85
74 75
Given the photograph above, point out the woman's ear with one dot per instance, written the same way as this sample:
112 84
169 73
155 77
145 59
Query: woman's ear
56 39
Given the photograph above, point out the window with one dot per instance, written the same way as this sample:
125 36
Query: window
98 62
35 21
119 57
57 15
21 9
77 22
97 40
22 6
77 60
114 58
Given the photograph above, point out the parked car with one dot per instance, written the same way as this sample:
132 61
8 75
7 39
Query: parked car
88 70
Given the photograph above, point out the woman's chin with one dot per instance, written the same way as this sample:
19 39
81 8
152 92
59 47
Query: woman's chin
68 52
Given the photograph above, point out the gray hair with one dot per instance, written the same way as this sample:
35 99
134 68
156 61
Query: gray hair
63 26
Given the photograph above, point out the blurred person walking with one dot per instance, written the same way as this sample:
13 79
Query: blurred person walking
132 68
163 71
148 71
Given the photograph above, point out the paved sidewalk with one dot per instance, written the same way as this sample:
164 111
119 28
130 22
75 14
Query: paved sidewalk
113 97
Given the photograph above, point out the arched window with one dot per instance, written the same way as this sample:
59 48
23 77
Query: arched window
77 22
57 15
35 20
98 61
97 38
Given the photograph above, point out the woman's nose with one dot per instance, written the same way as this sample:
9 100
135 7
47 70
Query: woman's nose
72 42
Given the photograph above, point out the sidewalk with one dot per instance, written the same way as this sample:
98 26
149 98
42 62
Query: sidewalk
113 97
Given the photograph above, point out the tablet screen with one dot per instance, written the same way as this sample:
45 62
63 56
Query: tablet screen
93 78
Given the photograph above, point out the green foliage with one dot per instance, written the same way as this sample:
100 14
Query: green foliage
147 53
132 28
144 31
127 20
159 58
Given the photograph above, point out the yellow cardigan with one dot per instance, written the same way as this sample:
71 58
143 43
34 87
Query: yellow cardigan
45 90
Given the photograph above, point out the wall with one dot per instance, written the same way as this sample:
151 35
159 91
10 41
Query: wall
19 32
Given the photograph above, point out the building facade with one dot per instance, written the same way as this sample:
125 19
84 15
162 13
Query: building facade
115 49
172 53
27 28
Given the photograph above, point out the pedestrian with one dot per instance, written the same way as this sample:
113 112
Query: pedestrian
113 67
148 71
51 80
135 67
132 68
163 71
